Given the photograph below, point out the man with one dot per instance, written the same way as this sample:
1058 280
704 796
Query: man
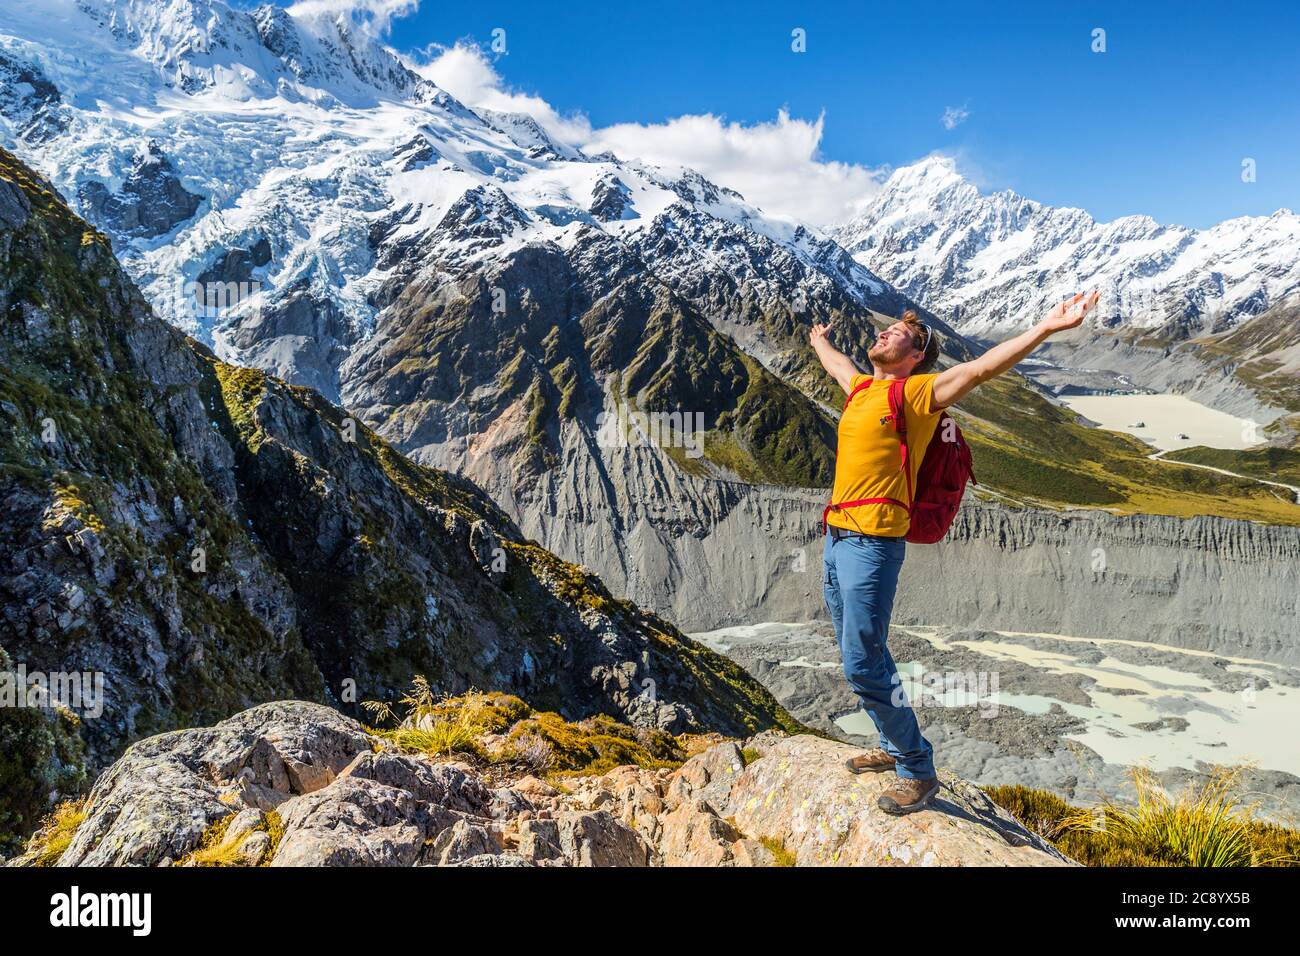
864 545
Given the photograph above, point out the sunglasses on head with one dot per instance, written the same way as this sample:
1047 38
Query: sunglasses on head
925 343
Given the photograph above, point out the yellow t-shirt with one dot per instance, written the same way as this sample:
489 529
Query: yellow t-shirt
869 461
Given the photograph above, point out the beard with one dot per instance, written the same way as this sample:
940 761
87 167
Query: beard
881 352
887 354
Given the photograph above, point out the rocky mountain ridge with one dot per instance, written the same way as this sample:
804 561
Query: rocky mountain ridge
992 263
205 537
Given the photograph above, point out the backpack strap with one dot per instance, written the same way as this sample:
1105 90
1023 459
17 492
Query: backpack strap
898 408
865 383
861 501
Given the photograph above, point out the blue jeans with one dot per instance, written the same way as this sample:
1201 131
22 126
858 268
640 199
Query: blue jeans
861 575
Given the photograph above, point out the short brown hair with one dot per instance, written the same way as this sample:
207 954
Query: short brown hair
923 339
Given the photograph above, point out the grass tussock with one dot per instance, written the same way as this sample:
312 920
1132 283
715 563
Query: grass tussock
56 832
444 726
215 849
776 846
502 730
1205 825
597 744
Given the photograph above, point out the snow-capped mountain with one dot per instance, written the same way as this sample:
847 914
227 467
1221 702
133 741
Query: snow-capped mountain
991 264
286 189
270 156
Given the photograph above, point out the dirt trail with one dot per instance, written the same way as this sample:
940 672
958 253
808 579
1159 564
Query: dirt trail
1294 489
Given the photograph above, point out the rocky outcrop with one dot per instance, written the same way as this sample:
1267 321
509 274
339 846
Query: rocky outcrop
342 798
301 336
156 801
151 201
30 102
609 199
825 816
237 264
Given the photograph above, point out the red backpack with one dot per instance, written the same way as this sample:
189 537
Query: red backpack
940 481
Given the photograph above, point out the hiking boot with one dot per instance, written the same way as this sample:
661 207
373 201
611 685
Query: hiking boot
908 795
873 761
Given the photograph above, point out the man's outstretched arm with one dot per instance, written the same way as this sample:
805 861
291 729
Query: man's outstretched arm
837 364
951 385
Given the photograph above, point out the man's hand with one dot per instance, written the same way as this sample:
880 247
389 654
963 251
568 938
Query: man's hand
955 383
1070 313
819 332
839 365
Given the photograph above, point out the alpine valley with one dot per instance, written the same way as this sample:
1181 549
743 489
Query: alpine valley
409 430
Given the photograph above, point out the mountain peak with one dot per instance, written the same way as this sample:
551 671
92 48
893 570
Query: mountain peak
932 173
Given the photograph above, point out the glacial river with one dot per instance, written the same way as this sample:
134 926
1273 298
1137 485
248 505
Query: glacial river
1251 721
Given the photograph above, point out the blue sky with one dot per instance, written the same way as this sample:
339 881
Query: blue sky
1158 124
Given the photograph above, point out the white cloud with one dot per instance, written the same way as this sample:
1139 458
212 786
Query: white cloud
775 165
465 72
954 116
